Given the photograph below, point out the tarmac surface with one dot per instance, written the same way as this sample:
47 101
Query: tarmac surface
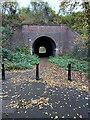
32 99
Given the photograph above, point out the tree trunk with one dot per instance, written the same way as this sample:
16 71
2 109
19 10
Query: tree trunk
87 11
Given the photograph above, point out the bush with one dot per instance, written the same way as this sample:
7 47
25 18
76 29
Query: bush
18 60
80 52
21 61
23 49
77 65
6 54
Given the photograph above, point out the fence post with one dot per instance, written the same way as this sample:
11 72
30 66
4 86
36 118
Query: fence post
69 72
3 72
37 71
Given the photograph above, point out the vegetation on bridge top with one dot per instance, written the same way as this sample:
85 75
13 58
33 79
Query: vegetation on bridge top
40 13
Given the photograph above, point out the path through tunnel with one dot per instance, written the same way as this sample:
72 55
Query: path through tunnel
47 43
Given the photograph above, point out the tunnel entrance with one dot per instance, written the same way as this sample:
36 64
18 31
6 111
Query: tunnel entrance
47 45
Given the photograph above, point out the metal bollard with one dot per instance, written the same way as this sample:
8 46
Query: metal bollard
69 72
3 72
37 71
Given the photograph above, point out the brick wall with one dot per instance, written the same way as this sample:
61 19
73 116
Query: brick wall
62 35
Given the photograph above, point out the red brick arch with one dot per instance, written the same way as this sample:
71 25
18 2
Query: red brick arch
62 37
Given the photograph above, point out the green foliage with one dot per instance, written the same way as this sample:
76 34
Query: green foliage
80 52
21 61
6 54
18 60
77 65
40 13
11 19
24 49
78 22
6 33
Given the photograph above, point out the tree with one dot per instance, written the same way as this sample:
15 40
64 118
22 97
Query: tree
70 7
86 20
83 17
11 18
87 11
40 13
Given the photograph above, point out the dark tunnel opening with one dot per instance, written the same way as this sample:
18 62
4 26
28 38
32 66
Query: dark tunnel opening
47 43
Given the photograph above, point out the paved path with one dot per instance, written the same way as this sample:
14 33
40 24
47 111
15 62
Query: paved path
24 97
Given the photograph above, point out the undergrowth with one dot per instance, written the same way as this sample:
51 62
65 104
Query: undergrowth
18 60
77 64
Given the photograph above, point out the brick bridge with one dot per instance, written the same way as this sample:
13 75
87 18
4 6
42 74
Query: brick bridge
56 39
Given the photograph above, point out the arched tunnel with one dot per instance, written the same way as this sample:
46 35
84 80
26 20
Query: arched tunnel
45 42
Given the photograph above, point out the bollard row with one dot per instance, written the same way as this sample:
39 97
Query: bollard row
37 72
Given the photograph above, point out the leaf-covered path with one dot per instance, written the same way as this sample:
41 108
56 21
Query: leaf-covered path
51 97
56 76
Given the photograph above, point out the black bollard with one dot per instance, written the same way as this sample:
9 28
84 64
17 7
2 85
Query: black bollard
3 72
37 71
69 72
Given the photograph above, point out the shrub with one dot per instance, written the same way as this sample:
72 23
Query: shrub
6 54
80 52
77 65
23 49
19 60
